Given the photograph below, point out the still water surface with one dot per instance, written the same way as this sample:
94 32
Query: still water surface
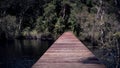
22 53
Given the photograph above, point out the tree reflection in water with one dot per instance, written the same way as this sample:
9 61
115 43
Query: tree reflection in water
22 53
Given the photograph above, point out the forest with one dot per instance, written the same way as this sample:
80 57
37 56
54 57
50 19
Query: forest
95 22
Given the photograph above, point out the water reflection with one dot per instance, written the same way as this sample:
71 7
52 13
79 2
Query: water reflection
22 53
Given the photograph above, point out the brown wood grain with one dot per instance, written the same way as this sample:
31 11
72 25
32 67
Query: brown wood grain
68 52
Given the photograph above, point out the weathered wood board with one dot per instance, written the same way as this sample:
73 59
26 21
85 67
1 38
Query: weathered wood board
68 52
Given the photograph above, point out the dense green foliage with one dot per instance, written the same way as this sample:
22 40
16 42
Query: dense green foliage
95 22
36 17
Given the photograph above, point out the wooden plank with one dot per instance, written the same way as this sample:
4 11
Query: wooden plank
68 52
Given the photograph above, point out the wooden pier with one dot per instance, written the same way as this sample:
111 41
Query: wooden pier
68 52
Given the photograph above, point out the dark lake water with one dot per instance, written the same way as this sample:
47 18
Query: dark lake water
22 53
